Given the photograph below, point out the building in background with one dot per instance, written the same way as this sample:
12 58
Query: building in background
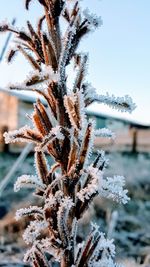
130 136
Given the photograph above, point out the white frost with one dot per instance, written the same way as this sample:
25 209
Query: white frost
28 181
34 230
113 188
123 104
92 18
32 210
10 137
54 133
93 185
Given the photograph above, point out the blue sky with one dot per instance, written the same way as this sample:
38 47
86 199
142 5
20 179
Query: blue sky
119 51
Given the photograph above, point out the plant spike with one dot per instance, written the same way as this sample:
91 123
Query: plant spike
61 130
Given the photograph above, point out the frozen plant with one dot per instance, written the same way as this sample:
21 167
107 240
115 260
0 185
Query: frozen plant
61 130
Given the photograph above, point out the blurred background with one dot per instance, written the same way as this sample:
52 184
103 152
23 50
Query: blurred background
119 63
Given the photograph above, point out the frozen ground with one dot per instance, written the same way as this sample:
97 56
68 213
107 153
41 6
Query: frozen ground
129 225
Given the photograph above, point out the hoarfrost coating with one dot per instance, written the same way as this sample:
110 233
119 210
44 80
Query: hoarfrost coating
62 130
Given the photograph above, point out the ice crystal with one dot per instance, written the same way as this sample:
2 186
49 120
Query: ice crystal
93 185
34 230
104 252
56 132
90 92
113 188
82 109
92 18
14 136
123 104
62 219
50 202
103 263
67 44
102 160
28 181
106 245
36 77
32 210
53 76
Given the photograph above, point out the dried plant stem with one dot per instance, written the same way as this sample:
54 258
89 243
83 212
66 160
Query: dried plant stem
62 130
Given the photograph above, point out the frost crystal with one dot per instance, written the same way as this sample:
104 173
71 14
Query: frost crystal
14 136
106 245
32 210
92 188
34 230
104 252
53 76
123 104
113 188
103 263
82 108
50 202
47 75
102 160
92 18
86 193
28 181
56 132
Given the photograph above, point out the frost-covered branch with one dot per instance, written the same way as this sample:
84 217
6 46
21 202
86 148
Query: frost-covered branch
123 104
62 130
113 188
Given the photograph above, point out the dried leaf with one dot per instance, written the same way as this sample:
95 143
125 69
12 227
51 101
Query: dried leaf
72 111
11 55
41 119
39 26
32 61
4 28
85 146
39 258
27 2
41 166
